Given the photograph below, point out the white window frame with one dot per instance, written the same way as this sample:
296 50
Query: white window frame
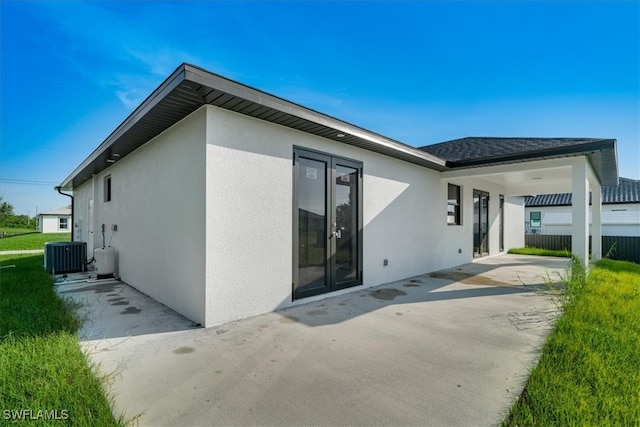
538 222
66 223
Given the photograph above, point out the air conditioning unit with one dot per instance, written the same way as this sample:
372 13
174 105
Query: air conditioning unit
65 257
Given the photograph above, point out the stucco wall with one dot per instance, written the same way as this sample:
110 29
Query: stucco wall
204 216
81 230
461 237
249 216
158 205
617 219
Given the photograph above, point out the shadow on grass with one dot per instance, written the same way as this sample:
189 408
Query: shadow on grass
42 366
5 235
619 266
29 305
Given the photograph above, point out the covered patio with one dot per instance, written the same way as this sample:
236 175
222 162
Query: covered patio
531 166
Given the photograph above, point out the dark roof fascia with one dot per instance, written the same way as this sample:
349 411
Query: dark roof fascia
193 76
151 101
209 79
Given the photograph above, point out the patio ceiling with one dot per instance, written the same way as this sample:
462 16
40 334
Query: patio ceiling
537 177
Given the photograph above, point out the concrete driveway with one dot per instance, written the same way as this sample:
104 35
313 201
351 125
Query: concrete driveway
451 348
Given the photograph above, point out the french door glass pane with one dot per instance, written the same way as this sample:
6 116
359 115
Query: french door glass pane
327 213
312 224
476 223
501 224
484 223
346 228
480 223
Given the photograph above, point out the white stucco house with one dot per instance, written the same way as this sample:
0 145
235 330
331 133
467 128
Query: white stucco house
55 221
224 202
551 213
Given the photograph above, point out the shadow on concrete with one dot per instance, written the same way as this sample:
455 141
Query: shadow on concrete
486 278
113 309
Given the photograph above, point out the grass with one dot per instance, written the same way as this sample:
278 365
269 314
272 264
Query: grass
540 252
42 367
32 240
13 231
589 371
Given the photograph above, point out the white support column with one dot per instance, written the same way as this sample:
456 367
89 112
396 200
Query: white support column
580 211
596 220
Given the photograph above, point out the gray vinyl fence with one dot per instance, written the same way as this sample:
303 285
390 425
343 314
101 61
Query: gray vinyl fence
623 248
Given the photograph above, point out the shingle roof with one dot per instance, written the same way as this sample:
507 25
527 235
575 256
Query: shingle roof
627 191
483 151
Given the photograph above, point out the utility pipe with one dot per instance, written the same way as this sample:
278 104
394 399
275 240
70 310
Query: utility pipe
73 224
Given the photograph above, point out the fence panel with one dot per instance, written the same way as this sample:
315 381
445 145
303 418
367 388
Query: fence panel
548 241
623 248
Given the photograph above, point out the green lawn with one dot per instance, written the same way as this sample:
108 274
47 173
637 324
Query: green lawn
589 372
540 252
42 367
14 231
33 240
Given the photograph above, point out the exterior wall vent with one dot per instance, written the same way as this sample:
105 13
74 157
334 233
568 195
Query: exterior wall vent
65 257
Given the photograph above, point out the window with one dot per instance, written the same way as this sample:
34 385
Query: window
107 188
501 224
63 223
535 219
453 205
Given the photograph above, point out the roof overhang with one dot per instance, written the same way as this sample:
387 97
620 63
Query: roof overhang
600 153
189 88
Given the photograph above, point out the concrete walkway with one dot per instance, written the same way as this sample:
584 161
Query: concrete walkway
23 252
452 348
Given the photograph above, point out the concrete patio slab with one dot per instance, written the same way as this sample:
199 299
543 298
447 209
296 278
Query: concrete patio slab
450 348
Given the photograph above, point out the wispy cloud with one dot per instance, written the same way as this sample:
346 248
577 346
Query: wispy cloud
95 38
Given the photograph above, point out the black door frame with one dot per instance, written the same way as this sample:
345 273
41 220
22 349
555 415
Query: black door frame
501 224
480 237
332 162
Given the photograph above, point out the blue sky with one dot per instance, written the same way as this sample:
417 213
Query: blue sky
416 71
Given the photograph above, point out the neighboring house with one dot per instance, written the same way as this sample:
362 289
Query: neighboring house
55 221
551 213
224 202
